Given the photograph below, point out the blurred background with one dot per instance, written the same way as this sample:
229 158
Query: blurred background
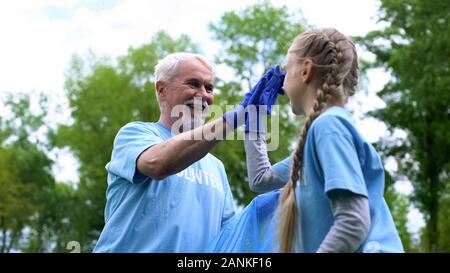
72 72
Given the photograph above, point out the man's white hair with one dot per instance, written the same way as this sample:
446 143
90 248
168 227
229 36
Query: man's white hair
166 68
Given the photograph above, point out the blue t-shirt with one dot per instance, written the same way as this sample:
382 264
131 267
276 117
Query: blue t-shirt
338 157
180 213
283 168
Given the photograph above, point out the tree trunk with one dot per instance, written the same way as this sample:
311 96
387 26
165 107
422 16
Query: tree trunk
13 239
433 235
4 231
432 174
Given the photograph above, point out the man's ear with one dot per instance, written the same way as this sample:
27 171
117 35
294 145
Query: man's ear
160 89
308 70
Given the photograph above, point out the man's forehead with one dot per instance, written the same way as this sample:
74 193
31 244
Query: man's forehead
195 69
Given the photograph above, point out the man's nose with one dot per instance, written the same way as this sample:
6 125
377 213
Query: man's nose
202 90
205 97
204 94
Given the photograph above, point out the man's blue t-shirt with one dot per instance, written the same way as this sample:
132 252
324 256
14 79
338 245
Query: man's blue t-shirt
338 157
180 213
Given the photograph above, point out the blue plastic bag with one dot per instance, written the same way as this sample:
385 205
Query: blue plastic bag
252 230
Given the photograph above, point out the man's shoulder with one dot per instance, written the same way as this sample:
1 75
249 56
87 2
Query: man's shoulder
139 124
214 160
138 130
139 127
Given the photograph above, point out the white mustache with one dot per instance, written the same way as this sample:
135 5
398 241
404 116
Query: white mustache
197 104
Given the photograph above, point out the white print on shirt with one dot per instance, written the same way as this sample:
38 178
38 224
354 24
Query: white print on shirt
202 177
373 247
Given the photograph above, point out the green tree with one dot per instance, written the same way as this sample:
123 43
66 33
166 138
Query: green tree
61 218
27 181
413 49
253 40
13 206
103 97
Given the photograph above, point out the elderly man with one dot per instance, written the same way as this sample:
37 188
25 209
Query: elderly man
166 193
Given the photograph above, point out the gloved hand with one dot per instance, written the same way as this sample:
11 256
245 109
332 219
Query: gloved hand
256 118
265 93
266 90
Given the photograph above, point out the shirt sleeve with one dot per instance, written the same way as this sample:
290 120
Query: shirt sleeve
351 223
132 139
339 163
283 169
262 176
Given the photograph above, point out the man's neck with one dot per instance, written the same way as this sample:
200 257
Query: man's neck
166 122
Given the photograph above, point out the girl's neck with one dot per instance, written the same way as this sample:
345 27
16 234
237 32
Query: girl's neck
340 102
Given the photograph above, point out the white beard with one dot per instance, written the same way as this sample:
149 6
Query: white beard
191 117
190 123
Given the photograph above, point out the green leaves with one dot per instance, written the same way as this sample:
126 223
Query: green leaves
414 49
26 182
257 36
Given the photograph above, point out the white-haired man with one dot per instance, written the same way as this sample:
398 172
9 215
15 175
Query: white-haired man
166 193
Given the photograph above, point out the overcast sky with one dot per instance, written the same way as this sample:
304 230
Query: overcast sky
38 38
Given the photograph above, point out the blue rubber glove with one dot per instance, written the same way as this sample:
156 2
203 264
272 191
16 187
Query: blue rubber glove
257 118
265 92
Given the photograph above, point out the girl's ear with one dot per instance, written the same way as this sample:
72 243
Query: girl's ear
308 71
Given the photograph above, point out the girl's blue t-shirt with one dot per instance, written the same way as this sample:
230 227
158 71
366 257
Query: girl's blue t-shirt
337 157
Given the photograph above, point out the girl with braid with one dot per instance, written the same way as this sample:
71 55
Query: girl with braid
333 199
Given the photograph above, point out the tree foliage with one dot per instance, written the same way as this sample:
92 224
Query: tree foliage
413 48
